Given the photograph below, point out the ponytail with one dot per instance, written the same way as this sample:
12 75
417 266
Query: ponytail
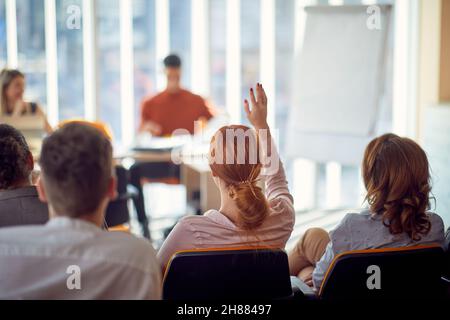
252 204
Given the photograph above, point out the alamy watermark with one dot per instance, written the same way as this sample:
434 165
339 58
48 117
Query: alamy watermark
73 281
373 21
73 21
374 280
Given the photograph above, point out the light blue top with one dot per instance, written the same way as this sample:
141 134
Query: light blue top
361 231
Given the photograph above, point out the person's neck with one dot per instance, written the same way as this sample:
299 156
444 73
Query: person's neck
173 89
228 207
96 218
21 184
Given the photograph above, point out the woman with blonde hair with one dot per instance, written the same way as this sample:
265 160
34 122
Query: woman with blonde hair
12 103
396 175
247 217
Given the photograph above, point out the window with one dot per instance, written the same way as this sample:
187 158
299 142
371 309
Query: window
180 35
217 39
352 195
108 25
144 52
284 55
31 48
70 63
250 45
3 52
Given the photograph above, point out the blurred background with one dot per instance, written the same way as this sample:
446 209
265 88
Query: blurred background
98 59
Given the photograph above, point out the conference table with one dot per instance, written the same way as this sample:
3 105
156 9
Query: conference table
195 174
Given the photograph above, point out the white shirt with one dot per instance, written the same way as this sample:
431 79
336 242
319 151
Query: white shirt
52 261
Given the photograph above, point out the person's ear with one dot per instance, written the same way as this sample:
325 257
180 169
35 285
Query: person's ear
41 190
112 189
217 181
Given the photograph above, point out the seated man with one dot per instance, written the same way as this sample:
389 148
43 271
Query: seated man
174 108
71 257
19 201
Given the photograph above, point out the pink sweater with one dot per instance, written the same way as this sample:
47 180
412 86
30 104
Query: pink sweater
215 230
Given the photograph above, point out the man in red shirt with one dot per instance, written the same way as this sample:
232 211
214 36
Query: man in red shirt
174 108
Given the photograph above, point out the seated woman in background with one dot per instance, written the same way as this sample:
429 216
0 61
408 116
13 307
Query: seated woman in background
19 201
247 216
397 178
12 88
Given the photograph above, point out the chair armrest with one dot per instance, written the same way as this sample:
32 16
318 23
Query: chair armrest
299 285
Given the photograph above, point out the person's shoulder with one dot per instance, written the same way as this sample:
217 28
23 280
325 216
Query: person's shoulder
18 193
190 218
193 96
153 98
21 234
350 219
434 216
436 221
210 220
358 216
131 250
127 240
190 221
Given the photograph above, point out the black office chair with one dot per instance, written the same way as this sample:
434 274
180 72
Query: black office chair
447 249
404 273
446 276
228 274
117 213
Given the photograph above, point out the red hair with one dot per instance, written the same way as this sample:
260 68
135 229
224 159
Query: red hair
397 178
238 164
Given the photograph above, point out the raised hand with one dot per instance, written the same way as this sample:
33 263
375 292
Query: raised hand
257 114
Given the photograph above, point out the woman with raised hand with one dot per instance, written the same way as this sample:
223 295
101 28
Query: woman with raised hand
248 216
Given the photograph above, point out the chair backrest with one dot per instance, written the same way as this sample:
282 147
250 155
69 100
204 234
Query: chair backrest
228 274
447 264
447 251
117 212
122 180
409 272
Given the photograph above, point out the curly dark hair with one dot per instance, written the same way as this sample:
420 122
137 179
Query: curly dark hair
397 178
14 157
